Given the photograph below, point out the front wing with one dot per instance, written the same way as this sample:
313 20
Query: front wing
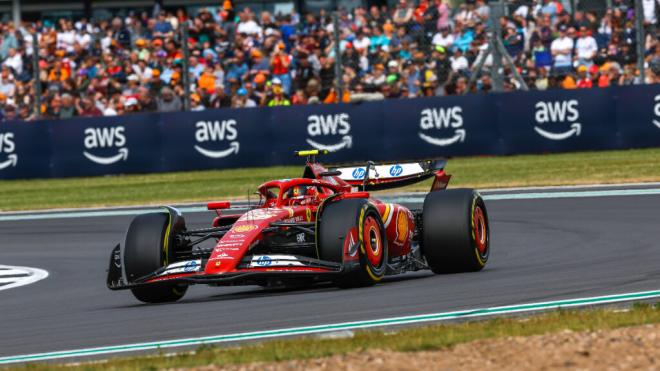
250 269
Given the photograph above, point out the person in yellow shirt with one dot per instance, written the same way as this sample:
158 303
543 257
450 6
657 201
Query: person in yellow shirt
279 99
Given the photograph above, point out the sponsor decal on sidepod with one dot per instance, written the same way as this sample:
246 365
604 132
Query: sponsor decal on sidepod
263 260
244 228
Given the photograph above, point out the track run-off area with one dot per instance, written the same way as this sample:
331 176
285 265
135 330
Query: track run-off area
551 247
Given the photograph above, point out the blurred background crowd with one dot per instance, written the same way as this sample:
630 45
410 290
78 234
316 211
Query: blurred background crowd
240 58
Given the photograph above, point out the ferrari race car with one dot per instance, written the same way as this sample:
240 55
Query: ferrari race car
323 227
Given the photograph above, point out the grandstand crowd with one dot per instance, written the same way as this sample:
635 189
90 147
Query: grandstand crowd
238 58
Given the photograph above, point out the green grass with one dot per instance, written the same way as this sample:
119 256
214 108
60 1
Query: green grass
479 172
406 340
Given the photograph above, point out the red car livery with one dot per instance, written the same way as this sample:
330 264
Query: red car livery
322 227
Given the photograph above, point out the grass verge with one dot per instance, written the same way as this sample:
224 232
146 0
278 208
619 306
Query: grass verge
478 172
406 340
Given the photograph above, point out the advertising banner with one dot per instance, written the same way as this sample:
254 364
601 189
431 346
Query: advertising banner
436 127
557 121
638 116
24 150
215 139
390 130
349 131
105 145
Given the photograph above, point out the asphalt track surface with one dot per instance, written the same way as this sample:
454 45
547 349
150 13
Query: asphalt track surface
542 249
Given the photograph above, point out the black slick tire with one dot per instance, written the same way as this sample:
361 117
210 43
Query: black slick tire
145 251
456 233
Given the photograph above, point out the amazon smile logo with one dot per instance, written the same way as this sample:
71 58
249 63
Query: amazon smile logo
7 146
102 138
217 131
326 128
557 112
449 120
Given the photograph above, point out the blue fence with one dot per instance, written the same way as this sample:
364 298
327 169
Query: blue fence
494 124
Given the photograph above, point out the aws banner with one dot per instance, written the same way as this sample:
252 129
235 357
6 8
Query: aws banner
105 145
25 151
215 139
558 121
391 130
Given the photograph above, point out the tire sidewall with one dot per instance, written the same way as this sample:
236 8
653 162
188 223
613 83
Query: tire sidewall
375 273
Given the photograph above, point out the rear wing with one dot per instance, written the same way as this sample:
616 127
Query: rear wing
373 176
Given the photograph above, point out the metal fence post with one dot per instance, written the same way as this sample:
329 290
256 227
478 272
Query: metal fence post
639 24
496 34
338 62
36 75
185 79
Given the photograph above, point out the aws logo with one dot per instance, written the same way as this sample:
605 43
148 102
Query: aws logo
322 126
102 138
7 146
439 119
656 111
558 112
217 131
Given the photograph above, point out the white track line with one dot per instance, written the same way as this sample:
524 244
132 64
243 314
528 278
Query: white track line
333 327
31 275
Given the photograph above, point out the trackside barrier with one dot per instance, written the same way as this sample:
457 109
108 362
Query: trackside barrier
493 124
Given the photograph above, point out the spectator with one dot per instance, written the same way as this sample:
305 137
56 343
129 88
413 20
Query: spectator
583 80
132 105
562 51
9 113
423 47
67 107
279 97
585 47
168 102
458 61
14 61
86 106
196 103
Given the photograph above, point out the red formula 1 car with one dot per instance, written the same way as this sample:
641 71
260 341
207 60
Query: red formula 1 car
323 227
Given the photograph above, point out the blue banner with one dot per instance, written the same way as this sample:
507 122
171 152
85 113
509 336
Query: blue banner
105 145
215 139
432 127
390 130
25 150
557 121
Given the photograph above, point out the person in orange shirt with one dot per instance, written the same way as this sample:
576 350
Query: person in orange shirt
207 81
58 72
332 97
568 82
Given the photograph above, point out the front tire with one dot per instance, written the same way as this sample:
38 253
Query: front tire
147 249
456 233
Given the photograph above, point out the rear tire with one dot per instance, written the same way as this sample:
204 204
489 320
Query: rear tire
337 220
144 253
456 233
